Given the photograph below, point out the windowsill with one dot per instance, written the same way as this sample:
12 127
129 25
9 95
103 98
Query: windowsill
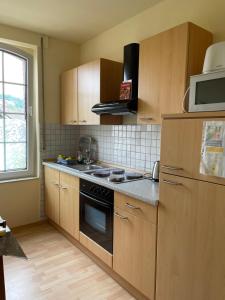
19 179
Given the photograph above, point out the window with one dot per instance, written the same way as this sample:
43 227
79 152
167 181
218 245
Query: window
16 121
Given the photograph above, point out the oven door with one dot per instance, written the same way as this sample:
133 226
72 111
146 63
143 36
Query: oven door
96 220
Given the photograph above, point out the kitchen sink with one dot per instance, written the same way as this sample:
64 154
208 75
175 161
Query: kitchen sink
84 168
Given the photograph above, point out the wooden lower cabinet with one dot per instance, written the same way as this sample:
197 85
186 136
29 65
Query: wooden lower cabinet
62 200
135 250
69 204
191 240
52 194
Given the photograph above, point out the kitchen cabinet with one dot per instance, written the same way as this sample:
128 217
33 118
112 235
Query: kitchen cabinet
52 194
191 240
62 200
135 243
98 81
181 143
87 85
69 107
69 204
166 62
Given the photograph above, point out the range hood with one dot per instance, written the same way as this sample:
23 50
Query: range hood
130 70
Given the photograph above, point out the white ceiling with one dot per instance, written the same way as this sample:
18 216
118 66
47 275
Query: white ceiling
74 20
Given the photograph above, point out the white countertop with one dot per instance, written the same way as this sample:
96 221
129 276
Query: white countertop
144 190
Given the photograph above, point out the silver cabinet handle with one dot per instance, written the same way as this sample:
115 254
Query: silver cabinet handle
64 188
55 183
121 217
84 121
146 118
171 168
132 206
171 182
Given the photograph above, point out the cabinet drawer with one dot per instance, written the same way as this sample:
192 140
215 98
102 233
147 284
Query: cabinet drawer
135 207
69 181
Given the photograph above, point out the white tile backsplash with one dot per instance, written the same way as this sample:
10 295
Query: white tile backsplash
128 145
132 146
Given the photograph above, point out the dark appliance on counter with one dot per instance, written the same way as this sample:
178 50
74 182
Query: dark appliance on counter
130 68
96 213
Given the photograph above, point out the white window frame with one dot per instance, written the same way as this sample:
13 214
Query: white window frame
31 170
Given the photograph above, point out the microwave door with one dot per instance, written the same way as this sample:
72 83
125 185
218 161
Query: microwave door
207 92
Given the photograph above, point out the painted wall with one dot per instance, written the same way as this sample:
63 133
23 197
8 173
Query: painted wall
206 13
20 201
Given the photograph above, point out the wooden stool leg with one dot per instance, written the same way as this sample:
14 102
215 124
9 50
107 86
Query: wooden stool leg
2 281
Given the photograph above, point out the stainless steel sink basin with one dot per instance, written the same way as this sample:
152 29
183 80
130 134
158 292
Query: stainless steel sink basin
84 168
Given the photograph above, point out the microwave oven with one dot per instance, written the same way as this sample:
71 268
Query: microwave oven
207 92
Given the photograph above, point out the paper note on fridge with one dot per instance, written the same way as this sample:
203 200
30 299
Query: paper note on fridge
212 152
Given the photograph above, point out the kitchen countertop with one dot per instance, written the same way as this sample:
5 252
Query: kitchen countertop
144 190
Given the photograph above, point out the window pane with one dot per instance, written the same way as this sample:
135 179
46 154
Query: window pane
1 98
14 98
1 130
16 156
1 157
14 68
0 65
15 128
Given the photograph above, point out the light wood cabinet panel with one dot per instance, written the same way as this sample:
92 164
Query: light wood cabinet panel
181 141
181 147
191 240
98 81
166 62
136 207
52 194
135 250
88 92
69 108
69 204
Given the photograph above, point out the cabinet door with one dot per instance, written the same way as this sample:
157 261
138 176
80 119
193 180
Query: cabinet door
162 74
181 147
191 240
69 109
134 251
69 204
52 194
88 92
166 62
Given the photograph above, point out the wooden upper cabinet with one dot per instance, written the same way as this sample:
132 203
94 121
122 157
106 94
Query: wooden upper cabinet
98 81
52 194
166 62
191 240
69 109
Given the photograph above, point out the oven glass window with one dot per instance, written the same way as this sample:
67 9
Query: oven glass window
210 91
95 218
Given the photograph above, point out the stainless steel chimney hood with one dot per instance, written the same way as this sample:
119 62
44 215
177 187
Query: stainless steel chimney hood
130 67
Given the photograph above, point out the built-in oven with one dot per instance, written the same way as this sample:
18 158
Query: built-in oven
96 213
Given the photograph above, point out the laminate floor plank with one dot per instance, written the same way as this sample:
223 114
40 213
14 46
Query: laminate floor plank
56 270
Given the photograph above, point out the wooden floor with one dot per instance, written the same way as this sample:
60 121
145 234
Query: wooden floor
56 270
